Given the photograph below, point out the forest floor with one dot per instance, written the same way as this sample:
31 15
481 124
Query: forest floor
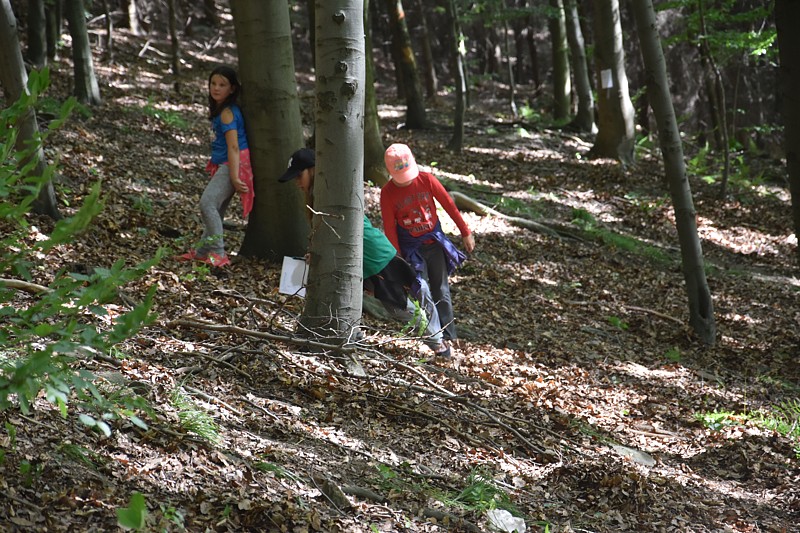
578 398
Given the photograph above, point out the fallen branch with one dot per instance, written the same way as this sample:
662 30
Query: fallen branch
630 308
469 204
210 326
24 286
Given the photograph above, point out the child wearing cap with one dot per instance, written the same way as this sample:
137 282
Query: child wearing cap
411 224
386 275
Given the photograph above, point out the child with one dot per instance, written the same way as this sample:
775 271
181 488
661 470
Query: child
386 274
412 225
229 166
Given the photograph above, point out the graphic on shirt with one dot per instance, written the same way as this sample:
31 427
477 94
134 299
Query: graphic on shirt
418 220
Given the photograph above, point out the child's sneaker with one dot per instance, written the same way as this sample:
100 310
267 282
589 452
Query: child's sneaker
442 351
215 260
191 255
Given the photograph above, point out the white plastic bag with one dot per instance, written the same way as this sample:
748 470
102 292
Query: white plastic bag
502 520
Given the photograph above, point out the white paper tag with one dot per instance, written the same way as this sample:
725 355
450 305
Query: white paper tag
294 276
606 79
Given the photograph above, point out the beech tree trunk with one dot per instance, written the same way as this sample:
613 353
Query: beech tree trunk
701 307
14 79
334 291
277 225
584 120
459 76
374 167
786 13
416 117
87 91
37 34
562 90
615 133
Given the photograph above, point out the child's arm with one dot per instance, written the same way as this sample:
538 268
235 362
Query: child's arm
444 198
232 139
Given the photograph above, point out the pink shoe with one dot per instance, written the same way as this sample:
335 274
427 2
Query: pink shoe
215 260
191 255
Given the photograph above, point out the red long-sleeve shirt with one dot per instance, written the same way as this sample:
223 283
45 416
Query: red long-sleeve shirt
413 208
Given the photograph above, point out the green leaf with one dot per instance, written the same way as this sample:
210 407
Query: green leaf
132 517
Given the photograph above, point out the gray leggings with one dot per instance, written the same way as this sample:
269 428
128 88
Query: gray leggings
213 204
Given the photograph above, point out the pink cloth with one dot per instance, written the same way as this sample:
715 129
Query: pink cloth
245 174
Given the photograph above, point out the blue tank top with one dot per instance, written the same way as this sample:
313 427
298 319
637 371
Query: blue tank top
219 148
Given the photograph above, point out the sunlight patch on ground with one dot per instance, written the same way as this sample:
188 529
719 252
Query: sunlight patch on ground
741 239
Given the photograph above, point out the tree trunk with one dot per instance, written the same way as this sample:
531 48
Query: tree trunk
277 225
431 84
786 13
407 67
53 14
459 76
14 79
37 34
701 307
333 295
133 18
512 86
175 46
584 120
615 134
374 167
109 25
562 90
86 89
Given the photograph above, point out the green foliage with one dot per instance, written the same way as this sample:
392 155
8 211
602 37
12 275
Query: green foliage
783 418
731 30
170 118
586 221
673 354
133 516
481 494
194 419
47 339
617 322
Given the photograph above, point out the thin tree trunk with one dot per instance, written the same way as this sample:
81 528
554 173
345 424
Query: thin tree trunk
277 224
109 24
374 167
454 28
786 13
87 90
562 90
415 104
14 79
334 292
701 307
53 14
717 91
175 46
431 84
584 120
511 83
133 18
37 34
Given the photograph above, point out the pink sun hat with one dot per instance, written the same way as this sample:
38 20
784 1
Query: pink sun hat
400 163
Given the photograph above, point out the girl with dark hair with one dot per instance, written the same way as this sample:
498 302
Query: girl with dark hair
229 166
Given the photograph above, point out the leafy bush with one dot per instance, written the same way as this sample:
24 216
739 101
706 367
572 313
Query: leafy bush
47 339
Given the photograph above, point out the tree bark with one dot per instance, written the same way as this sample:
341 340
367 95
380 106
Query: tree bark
374 167
333 294
277 225
701 308
431 83
37 34
175 46
87 91
416 117
459 76
786 13
53 14
14 79
615 134
584 120
562 90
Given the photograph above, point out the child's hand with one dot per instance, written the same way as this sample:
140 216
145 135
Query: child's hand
239 186
469 243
